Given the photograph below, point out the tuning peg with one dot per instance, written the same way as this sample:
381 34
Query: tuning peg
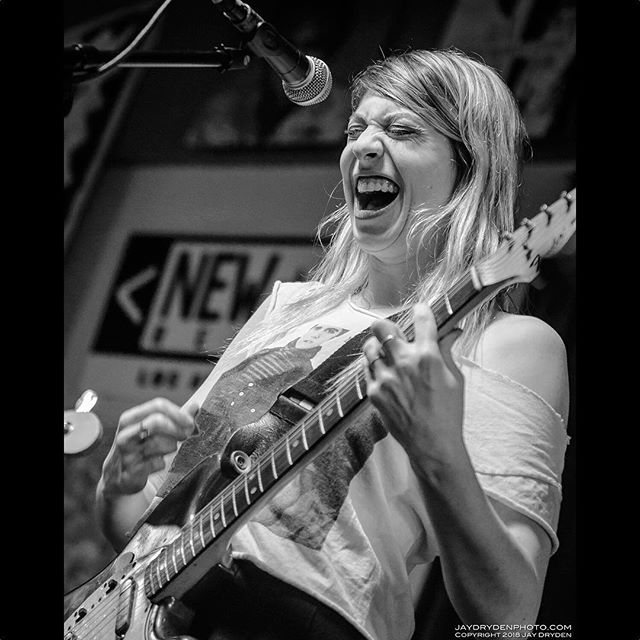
527 224
545 209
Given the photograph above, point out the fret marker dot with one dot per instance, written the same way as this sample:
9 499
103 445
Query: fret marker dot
329 412
253 490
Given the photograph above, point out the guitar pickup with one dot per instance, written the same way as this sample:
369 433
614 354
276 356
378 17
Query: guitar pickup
126 600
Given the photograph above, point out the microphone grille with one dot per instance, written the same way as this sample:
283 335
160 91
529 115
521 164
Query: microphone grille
314 88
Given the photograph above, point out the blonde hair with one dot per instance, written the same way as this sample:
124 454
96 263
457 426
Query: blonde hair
468 102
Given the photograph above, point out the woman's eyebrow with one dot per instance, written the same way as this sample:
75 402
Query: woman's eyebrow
357 117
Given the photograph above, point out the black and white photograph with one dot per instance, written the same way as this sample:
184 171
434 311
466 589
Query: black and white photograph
320 320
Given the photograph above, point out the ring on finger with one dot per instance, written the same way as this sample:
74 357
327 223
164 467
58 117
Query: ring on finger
143 432
374 360
386 339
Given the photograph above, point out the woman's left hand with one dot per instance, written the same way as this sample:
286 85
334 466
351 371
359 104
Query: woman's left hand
416 386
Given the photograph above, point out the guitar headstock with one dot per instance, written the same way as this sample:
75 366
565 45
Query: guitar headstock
518 256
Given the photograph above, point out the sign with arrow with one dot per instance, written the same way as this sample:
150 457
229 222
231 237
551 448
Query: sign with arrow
183 297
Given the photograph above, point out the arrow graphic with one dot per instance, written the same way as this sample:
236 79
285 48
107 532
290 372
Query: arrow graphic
124 293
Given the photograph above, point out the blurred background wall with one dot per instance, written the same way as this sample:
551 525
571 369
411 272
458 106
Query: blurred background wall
188 192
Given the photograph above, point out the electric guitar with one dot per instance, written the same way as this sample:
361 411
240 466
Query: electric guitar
150 591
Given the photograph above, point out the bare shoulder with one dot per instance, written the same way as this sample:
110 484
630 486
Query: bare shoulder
529 351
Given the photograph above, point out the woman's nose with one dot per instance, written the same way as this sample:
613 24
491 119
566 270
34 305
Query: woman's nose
368 146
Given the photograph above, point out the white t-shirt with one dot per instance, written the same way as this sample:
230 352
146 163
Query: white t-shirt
353 524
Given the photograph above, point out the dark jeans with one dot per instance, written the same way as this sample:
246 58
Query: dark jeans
258 606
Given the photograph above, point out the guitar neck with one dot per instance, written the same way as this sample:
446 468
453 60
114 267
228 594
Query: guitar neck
298 447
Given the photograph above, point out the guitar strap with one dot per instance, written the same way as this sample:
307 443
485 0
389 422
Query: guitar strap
290 407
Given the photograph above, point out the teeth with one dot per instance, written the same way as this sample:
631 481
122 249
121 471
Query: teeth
367 185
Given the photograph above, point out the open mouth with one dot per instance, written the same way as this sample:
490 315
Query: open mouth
374 193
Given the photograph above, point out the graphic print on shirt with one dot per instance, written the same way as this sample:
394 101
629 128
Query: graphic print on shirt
238 404
243 395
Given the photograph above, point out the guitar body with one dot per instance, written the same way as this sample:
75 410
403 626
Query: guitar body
113 604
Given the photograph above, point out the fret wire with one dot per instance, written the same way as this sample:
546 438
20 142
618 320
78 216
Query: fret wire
184 560
447 303
246 488
211 525
259 479
233 501
273 465
320 420
286 437
166 569
173 557
358 390
339 406
193 549
201 533
224 520
158 573
304 438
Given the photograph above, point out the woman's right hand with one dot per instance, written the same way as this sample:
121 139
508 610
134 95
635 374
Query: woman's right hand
146 433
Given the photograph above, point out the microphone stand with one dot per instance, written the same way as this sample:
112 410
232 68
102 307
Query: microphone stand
82 61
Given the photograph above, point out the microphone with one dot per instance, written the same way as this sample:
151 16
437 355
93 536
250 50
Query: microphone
306 80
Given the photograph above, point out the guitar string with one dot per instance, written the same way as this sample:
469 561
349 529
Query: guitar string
105 628
86 625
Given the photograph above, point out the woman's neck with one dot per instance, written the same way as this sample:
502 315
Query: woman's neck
388 284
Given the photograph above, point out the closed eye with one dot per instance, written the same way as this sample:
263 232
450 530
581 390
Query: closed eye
352 132
403 132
